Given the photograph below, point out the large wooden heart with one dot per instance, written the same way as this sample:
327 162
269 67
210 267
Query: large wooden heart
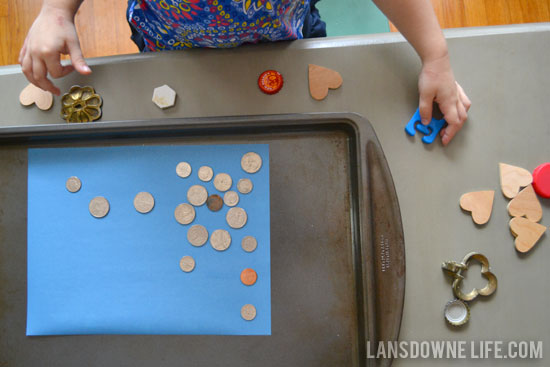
32 94
526 204
480 203
513 178
527 233
322 79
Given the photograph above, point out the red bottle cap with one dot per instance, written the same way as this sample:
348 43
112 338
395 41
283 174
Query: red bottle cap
541 180
270 81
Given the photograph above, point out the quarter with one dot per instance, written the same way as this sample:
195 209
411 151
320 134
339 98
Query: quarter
183 169
220 239
184 213
244 185
197 235
251 162
231 198
144 202
222 182
205 173
99 207
197 195
73 184
236 217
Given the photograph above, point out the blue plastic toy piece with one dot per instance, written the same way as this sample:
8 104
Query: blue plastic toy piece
430 131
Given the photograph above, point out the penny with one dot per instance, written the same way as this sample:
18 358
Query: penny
248 276
187 264
99 207
214 202
184 213
236 218
73 184
183 169
220 239
249 243
144 202
231 198
197 235
222 182
251 162
197 195
205 173
248 312
244 185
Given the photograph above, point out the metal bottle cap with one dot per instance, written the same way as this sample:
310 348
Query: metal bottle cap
457 312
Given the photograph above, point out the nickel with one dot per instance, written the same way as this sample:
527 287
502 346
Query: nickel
231 198
183 169
251 162
99 207
205 173
187 264
244 185
220 239
197 235
249 243
184 213
248 312
236 218
222 182
197 195
144 202
73 184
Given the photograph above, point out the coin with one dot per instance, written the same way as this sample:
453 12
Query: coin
184 213
220 239
248 276
244 185
222 182
251 162
248 312
231 198
144 202
236 218
197 195
73 184
183 169
214 202
205 173
99 207
187 264
249 243
197 235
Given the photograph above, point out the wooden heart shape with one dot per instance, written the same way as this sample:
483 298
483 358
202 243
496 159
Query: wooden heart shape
32 94
526 204
480 204
321 79
527 233
513 178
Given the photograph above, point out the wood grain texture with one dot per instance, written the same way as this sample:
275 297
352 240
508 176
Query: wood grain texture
478 13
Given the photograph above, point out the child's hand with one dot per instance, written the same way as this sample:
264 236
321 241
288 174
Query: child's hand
437 83
53 33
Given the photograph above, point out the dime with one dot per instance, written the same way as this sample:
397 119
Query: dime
205 173
197 195
251 162
248 276
248 312
244 185
220 239
214 202
144 202
197 235
231 198
222 182
249 243
184 213
236 218
187 264
183 169
73 184
99 207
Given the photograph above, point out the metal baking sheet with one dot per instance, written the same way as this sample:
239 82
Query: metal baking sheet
337 250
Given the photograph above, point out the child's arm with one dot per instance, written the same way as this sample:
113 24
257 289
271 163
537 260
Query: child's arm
53 33
416 20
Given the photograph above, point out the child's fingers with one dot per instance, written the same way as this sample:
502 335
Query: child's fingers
40 75
454 124
77 58
22 52
26 67
425 107
55 68
464 98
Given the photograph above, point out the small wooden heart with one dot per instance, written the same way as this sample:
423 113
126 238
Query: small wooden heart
321 79
32 94
526 204
513 178
527 233
480 204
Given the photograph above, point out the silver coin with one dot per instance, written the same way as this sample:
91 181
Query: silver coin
205 173
187 264
248 312
99 207
197 235
183 169
144 202
231 198
197 195
222 182
244 185
73 184
249 243
184 213
251 162
220 239
236 217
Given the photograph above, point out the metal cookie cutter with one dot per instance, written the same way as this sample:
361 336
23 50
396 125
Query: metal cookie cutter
81 104
455 270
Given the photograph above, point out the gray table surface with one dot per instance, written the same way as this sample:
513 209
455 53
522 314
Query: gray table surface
504 70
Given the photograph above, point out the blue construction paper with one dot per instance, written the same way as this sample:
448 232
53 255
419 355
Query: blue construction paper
120 274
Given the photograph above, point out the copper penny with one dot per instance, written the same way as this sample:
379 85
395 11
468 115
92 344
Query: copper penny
214 202
248 312
248 276
73 184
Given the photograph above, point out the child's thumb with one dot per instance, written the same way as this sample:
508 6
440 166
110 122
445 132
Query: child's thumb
77 58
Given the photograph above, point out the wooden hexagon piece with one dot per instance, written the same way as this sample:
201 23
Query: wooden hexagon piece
164 97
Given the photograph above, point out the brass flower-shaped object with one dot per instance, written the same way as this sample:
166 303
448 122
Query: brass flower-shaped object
81 104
